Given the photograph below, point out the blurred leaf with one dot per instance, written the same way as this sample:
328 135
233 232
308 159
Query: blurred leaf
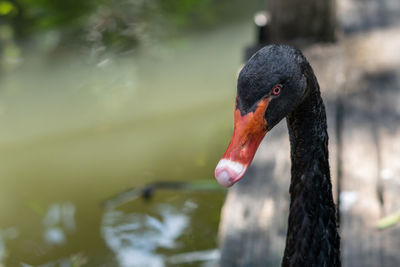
6 8
389 221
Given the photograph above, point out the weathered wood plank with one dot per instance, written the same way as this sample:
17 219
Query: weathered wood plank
390 172
253 221
370 135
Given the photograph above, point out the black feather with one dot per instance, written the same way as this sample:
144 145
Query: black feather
312 237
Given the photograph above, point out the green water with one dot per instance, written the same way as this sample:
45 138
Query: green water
75 132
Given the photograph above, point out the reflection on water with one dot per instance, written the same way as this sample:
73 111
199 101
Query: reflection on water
146 239
76 260
59 221
6 234
134 238
208 258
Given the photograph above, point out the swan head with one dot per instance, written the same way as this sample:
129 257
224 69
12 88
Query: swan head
270 86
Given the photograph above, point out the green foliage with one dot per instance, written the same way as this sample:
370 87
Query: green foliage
120 24
6 8
117 24
189 14
185 12
39 15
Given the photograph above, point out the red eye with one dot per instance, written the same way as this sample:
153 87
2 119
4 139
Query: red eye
277 89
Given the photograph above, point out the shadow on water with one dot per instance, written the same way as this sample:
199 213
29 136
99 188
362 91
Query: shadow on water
76 133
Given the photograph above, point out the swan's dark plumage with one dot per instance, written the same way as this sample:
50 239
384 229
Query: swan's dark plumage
271 65
312 237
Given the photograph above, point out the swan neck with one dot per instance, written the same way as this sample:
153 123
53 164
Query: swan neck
312 238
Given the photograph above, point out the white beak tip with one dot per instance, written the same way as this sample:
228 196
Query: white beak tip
229 172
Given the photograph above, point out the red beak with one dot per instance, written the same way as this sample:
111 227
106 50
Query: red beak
248 132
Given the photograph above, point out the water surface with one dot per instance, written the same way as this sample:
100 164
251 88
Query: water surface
76 131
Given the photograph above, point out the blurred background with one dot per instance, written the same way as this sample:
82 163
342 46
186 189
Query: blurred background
114 113
101 96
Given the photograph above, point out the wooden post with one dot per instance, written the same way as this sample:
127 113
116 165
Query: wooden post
304 21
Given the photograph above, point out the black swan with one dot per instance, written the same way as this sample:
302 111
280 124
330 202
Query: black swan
279 82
